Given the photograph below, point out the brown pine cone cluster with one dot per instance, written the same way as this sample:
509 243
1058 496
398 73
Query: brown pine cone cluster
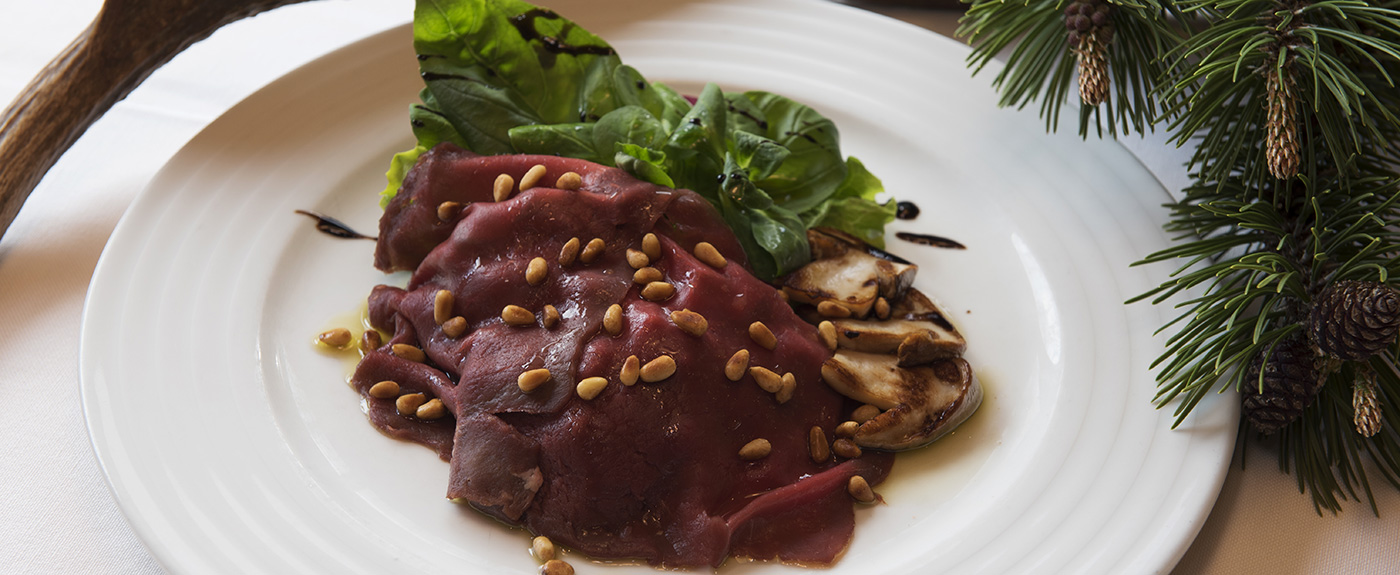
1291 382
1354 320
1088 18
1090 27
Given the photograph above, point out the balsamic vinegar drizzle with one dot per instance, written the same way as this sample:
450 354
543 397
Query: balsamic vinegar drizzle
930 240
333 227
525 23
906 210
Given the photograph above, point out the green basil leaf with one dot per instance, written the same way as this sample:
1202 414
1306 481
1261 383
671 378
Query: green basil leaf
643 163
745 116
852 207
628 125
674 106
571 140
760 261
815 167
632 89
736 185
481 113
783 235
859 217
695 150
430 126
757 154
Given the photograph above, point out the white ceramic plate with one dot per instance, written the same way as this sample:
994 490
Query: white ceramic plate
234 446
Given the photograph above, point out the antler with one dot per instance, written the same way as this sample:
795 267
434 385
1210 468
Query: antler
127 41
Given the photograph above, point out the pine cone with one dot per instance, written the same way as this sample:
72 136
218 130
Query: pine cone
1366 405
1353 320
1090 27
1291 383
1281 144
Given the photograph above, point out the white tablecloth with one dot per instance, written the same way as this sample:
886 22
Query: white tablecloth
56 514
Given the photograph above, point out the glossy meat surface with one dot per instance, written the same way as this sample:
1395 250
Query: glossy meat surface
649 470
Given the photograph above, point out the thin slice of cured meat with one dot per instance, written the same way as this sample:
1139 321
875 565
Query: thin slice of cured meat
645 471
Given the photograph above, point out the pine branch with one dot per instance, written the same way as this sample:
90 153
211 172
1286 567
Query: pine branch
1041 64
1290 108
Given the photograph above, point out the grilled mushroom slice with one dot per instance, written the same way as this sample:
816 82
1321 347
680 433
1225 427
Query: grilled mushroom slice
920 404
852 278
914 342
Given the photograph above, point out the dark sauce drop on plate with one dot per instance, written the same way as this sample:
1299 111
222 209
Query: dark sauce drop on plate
333 227
930 240
906 210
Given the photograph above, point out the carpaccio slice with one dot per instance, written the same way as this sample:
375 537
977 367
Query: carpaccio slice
646 471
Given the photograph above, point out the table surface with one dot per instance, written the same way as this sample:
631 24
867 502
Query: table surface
56 513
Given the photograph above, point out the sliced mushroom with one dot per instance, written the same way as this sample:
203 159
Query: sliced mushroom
830 242
853 279
914 342
920 404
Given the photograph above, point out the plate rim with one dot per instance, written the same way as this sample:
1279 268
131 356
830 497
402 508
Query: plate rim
104 268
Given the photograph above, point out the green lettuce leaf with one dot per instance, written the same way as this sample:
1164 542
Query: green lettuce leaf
852 207
504 76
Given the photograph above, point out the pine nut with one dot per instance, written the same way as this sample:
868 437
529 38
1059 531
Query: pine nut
761 335
556 567
532 177
658 291
433 409
592 250
370 341
536 271
756 449
612 320
336 337
531 380
516 315
737 365
864 413
860 490
783 294
569 181
816 441
455 327
646 275
446 211
882 308
845 448
826 331
789 386
590 387
409 352
706 252
443 301
408 403
637 259
768 380
658 369
551 317
631 370
569 252
542 548
651 246
830 308
846 429
501 189
384 389
690 322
